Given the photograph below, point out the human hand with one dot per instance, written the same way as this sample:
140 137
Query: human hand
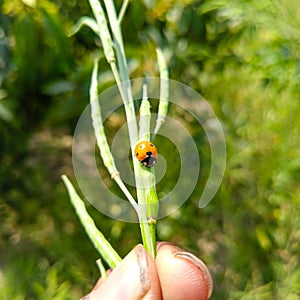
174 275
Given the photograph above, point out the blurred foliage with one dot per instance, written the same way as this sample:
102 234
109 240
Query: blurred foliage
242 56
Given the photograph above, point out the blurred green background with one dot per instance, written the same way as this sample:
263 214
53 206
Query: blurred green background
242 56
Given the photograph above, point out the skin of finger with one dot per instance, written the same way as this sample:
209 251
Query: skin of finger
179 277
101 280
135 278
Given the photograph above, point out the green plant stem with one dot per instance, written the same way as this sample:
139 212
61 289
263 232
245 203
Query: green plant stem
101 269
121 75
147 237
122 11
100 242
118 39
147 195
103 31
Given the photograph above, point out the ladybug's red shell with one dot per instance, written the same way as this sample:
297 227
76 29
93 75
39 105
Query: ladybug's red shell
146 153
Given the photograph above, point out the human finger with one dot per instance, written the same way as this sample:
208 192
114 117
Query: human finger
182 275
135 278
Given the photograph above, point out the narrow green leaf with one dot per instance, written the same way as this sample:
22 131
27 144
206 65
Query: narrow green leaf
103 146
100 242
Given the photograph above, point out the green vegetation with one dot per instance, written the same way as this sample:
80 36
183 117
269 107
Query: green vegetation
242 56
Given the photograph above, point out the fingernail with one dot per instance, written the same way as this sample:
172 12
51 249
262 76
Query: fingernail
145 282
200 264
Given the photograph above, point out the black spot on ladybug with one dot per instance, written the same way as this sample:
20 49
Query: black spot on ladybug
149 153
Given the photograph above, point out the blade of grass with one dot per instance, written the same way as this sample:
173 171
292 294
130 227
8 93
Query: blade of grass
100 242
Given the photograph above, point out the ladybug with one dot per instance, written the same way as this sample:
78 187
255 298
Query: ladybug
146 153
